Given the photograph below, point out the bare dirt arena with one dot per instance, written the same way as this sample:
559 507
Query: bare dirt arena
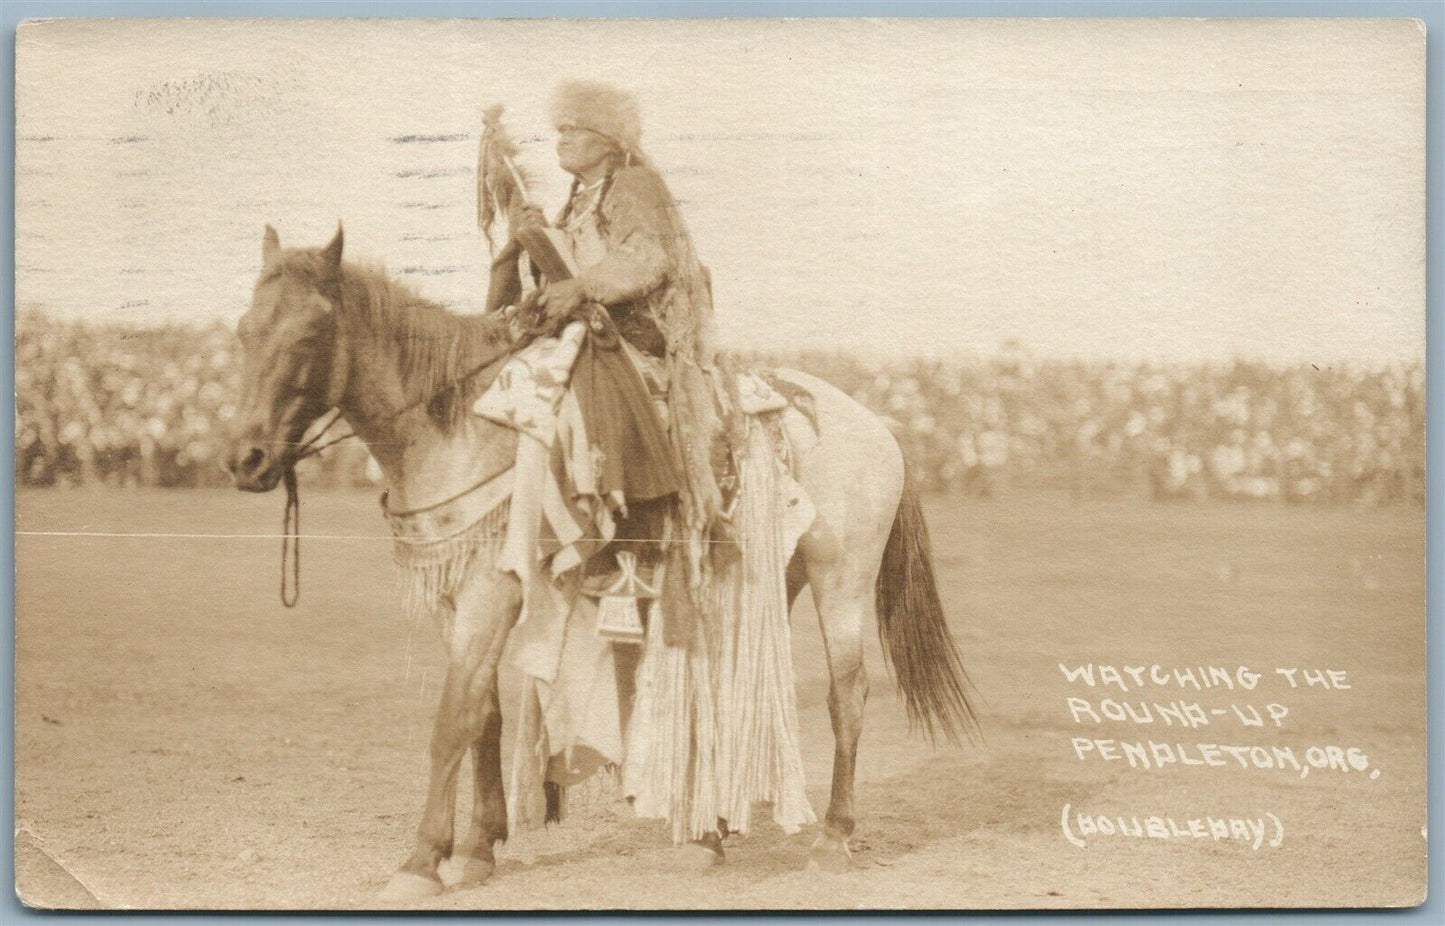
182 741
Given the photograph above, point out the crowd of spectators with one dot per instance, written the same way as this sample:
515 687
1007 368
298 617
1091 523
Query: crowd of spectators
1185 430
148 407
134 406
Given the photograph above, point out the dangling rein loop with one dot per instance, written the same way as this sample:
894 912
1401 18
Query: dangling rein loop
291 538
291 517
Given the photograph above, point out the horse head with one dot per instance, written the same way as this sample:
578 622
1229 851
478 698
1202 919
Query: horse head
292 370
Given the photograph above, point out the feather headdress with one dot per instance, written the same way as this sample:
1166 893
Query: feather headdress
501 186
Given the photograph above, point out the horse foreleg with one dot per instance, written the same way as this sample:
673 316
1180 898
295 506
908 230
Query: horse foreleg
417 877
468 715
489 799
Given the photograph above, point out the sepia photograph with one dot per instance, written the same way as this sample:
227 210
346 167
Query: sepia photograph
720 464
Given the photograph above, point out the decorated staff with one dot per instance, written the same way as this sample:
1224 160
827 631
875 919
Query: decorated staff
502 190
501 186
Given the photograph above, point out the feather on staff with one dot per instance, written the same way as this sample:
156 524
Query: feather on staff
501 186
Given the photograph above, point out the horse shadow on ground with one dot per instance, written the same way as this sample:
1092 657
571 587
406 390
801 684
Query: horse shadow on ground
942 798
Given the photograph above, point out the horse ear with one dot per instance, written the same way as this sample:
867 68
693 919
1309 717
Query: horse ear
270 246
331 254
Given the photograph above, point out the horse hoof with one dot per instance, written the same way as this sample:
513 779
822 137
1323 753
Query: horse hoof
408 886
702 854
475 871
830 855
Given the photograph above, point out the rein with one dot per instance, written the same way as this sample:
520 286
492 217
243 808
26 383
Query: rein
481 483
291 515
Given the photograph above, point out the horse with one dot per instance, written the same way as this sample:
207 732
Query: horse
324 334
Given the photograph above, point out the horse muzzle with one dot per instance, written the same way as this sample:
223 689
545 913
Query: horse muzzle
254 467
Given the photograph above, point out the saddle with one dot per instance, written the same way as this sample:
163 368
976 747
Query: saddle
647 559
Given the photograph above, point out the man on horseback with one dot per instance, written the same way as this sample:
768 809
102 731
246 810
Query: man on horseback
634 257
620 218
709 726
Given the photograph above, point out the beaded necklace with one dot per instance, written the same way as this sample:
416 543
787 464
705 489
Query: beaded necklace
575 219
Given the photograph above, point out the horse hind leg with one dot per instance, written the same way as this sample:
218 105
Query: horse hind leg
842 557
796 577
841 613
841 620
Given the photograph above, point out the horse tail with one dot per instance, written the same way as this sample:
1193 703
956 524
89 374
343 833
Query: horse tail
918 648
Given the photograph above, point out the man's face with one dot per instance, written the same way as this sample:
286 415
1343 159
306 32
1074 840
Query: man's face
580 150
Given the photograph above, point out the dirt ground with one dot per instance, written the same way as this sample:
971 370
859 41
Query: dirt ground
184 742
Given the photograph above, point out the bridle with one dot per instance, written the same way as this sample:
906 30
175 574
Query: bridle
338 379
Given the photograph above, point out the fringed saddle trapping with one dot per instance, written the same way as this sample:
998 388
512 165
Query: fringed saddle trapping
434 569
715 728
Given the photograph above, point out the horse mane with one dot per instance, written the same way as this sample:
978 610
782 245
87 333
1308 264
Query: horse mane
437 351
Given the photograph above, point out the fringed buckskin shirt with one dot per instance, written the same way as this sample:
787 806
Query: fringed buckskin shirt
637 260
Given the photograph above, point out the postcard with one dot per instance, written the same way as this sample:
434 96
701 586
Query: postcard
745 464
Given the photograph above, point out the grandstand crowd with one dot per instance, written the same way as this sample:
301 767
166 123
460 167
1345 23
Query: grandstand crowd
102 404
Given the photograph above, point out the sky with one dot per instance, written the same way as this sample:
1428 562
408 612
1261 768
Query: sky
1127 188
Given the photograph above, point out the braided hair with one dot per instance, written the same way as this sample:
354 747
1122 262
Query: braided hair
607 182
